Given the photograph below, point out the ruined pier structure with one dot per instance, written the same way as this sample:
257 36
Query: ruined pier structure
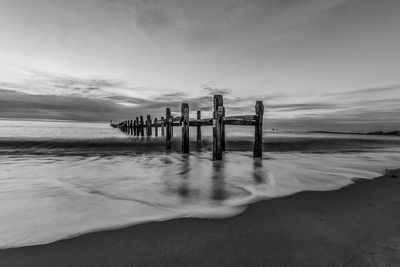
138 126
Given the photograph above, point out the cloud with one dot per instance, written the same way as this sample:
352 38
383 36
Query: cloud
211 20
217 91
43 96
380 89
285 114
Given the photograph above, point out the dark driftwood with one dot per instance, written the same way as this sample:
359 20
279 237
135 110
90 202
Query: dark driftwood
185 127
168 125
257 151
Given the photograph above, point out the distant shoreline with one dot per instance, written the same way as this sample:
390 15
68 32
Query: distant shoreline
393 133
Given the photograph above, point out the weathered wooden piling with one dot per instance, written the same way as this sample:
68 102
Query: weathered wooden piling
168 125
141 126
137 126
223 135
219 113
198 137
131 127
185 127
162 126
155 127
134 127
257 151
148 126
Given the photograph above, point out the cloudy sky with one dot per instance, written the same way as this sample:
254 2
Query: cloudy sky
316 64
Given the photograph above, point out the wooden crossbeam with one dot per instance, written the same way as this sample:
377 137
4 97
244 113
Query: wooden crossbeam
240 120
201 122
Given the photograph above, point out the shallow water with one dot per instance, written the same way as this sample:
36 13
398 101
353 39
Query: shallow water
59 179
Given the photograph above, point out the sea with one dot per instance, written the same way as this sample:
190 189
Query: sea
60 179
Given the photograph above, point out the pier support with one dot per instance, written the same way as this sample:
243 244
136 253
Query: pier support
162 126
130 127
198 137
155 127
148 126
219 113
141 126
168 124
137 126
257 151
185 127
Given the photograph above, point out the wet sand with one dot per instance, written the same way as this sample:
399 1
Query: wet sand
358 225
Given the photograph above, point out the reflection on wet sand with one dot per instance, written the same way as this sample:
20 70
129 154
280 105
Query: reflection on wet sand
183 189
218 181
259 174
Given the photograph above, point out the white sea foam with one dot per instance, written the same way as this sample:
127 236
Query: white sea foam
46 197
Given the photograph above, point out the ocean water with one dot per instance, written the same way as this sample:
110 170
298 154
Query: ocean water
61 179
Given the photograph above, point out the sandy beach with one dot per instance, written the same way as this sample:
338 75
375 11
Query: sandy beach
354 226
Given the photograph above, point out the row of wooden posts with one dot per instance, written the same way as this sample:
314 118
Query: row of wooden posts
138 126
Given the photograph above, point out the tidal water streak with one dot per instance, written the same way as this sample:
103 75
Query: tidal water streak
59 179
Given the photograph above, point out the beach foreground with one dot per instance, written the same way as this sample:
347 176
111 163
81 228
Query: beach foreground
354 226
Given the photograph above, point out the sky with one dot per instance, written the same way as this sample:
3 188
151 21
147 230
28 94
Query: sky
316 64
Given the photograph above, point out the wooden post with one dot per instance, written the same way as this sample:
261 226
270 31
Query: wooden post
168 125
223 136
148 126
134 128
130 127
155 127
162 126
219 113
172 126
137 126
141 126
198 138
185 127
257 151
